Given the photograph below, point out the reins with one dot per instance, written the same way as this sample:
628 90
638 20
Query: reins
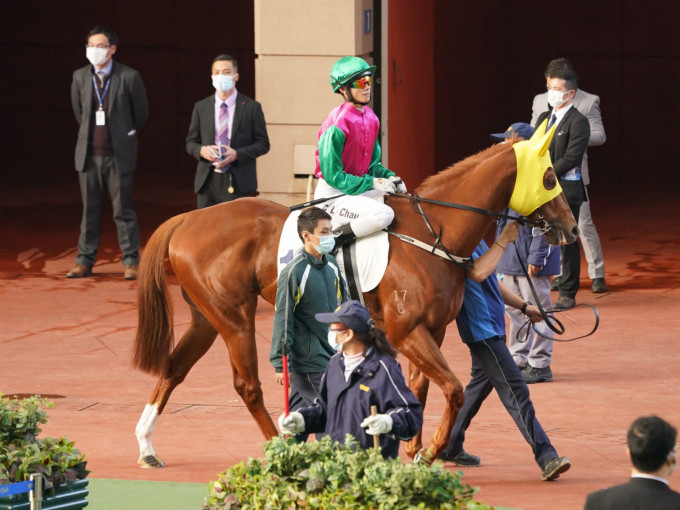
548 315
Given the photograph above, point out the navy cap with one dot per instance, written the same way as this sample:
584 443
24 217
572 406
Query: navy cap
351 314
521 128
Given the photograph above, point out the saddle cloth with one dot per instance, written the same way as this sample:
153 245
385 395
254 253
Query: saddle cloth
372 253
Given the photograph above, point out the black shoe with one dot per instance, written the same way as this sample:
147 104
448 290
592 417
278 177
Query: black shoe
598 287
554 468
463 459
536 375
564 303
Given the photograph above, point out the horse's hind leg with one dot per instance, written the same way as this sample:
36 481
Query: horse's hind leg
423 351
194 343
238 331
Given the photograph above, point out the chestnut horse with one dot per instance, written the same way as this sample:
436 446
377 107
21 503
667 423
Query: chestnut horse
225 256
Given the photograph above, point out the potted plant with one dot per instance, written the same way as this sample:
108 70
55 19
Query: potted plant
326 474
23 453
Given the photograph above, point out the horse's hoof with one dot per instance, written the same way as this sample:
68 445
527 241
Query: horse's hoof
423 456
150 461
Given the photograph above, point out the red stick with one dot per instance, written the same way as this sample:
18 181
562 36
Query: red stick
284 358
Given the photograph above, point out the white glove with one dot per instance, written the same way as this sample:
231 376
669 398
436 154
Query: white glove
385 185
398 184
294 423
378 424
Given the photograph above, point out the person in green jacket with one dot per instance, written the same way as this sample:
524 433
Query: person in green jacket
311 283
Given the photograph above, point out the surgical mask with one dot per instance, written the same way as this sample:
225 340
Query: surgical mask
333 341
223 82
96 56
556 98
326 244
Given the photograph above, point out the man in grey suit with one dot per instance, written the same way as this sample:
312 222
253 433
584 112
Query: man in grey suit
653 452
226 134
588 105
110 105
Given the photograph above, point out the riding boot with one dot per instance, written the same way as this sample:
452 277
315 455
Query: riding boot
343 235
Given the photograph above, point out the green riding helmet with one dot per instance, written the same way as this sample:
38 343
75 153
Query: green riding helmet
348 69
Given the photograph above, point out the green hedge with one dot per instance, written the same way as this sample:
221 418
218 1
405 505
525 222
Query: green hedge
330 475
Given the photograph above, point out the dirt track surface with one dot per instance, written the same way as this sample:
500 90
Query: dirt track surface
71 340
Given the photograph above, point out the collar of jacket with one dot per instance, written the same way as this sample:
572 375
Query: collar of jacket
313 260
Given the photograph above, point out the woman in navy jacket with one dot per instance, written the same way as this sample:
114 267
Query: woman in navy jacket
364 374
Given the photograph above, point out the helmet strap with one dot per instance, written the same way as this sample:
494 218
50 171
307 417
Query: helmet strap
350 98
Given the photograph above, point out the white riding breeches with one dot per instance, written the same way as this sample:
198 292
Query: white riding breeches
366 213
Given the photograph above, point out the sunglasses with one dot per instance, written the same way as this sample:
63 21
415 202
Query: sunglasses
361 83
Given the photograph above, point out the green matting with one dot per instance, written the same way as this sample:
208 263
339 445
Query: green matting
106 494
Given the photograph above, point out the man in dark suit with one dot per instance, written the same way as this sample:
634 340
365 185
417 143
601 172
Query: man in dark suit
227 133
566 152
109 102
653 452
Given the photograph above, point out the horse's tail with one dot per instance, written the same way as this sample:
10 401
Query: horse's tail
155 337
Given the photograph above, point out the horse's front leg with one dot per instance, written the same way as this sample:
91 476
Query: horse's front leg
423 351
419 385
195 342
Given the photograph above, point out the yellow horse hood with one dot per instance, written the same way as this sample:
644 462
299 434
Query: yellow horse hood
533 159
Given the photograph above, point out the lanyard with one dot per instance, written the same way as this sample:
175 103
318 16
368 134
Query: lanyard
96 89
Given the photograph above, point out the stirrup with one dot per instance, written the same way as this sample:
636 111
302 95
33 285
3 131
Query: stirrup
343 235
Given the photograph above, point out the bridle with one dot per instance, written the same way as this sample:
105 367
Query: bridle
465 263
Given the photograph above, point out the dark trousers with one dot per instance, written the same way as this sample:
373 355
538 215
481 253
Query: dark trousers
99 176
568 282
494 368
304 390
215 190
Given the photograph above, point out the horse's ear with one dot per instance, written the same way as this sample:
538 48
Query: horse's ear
543 143
540 131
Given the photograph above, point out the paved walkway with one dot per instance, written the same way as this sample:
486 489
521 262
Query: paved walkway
71 340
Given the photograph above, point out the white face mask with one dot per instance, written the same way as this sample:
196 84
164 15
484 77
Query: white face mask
556 98
96 56
223 82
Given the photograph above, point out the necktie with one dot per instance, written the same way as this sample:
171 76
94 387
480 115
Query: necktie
551 121
102 77
223 125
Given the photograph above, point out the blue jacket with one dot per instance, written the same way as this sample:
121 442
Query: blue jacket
482 314
343 405
533 250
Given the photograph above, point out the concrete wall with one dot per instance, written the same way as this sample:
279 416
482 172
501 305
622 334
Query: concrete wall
296 44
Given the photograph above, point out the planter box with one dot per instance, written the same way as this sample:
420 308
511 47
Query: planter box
65 497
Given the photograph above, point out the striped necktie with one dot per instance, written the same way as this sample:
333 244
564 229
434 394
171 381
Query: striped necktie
223 125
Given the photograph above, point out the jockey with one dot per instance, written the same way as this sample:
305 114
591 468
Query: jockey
348 157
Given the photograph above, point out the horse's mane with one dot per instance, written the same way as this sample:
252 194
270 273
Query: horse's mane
464 165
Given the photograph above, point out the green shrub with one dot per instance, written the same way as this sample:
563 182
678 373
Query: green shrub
22 453
330 475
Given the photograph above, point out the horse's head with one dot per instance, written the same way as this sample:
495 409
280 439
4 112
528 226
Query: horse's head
537 193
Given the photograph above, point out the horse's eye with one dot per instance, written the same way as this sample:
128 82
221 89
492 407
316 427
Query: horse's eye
549 179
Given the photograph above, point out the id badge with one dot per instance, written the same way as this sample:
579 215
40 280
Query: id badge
100 118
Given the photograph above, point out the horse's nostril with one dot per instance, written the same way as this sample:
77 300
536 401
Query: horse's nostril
574 231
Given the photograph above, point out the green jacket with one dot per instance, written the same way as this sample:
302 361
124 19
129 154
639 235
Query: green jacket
306 286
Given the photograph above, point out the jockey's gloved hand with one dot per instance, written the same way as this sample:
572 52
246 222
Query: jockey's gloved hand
383 184
398 184
294 423
378 424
